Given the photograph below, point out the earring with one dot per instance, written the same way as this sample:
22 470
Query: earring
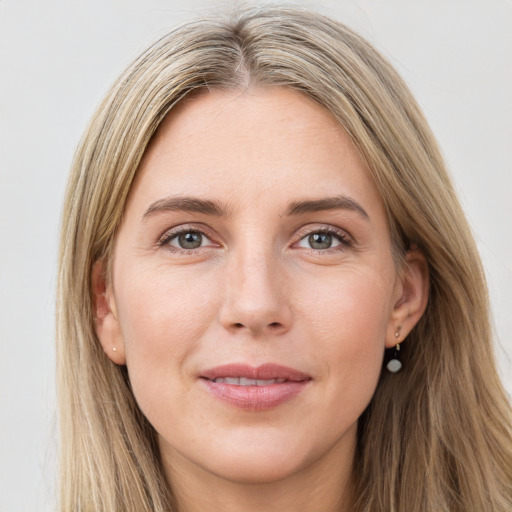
114 349
394 364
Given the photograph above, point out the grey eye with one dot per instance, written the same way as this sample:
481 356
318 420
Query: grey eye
320 240
188 240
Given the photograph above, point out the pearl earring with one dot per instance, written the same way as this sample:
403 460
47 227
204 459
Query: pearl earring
394 365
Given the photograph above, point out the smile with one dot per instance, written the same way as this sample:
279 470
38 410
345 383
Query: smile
242 381
254 389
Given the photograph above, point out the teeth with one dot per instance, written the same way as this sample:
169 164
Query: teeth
242 381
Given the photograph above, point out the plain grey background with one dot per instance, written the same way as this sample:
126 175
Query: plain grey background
58 58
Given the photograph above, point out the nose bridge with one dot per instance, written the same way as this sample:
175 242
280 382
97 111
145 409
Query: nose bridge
254 277
254 297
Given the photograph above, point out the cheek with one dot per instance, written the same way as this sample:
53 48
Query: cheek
348 317
162 320
352 305
160 304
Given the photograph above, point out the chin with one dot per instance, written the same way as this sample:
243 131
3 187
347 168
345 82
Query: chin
249 456
263 469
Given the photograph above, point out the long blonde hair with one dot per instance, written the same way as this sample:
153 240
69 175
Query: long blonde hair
435 437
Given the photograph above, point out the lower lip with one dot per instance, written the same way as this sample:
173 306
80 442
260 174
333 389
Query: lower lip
255 398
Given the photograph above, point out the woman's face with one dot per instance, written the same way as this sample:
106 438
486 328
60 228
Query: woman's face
253 289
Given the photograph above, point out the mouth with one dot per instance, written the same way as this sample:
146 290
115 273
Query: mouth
246 375
243 381
254 388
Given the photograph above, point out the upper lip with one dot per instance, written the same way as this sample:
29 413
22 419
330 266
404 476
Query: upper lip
267 371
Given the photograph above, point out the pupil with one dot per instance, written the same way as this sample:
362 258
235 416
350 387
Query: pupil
320 240
190 240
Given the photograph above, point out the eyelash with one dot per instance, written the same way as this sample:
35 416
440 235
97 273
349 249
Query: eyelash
172 234
345 241
341 236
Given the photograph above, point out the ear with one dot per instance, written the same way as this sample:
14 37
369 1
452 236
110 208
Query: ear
106 322
411 298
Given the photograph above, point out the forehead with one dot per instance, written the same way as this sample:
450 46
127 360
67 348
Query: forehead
246 145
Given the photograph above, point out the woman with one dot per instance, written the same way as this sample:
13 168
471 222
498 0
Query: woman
258 233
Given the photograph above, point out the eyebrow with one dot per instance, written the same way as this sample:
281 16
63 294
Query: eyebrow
185 204
329 203
216 209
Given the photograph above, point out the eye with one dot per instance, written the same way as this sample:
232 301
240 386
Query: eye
186 239
323 240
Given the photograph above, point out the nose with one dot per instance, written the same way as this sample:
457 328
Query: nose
255 299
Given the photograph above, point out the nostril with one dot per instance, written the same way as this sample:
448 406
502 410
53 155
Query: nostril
239 325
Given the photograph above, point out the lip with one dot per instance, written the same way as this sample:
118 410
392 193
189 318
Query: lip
255 397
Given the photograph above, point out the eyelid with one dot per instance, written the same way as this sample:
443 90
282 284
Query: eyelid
170 233
346 240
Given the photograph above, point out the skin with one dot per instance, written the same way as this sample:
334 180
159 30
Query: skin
256 291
